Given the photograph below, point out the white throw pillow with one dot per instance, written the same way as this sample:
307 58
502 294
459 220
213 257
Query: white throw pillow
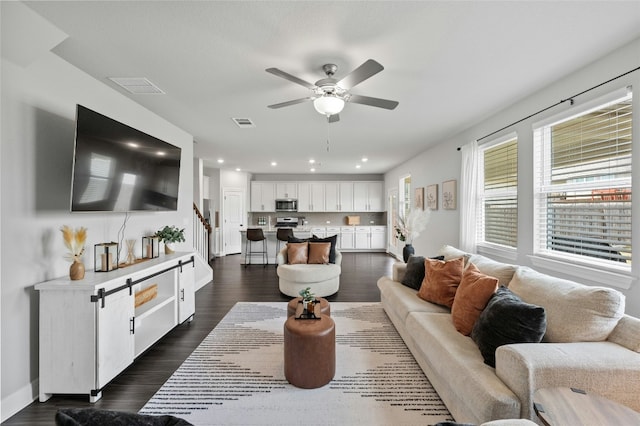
575 312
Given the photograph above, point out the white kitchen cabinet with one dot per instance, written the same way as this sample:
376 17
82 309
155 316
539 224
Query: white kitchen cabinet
363 234
319 232
368 196
347 238
339 196
330 231
378 237
286 190
186 292
311 197
263 197
90 330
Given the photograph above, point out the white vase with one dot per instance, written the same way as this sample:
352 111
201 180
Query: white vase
169 248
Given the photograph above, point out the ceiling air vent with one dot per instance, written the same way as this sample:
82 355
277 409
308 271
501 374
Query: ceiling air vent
137 85
243 123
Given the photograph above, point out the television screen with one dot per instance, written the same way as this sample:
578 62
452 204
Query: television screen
119 168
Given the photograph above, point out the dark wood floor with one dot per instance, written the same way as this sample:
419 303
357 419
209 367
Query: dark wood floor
231 283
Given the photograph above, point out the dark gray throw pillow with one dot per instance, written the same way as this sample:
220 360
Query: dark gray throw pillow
505 320
414 273
332 239
95 417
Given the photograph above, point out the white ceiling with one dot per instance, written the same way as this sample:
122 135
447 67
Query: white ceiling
449 64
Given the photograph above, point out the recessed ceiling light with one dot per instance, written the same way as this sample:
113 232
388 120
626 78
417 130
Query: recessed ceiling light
220 160
311 161
365 159
238 169
357 166
312 169
273 163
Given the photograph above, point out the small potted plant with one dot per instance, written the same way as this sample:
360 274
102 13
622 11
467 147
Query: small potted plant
170 235
308 299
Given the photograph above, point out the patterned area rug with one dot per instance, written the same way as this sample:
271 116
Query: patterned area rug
236 375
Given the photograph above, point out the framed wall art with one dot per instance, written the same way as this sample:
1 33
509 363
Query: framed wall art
449 194
418 198
431 197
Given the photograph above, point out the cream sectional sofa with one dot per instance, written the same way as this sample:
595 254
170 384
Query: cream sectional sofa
589 344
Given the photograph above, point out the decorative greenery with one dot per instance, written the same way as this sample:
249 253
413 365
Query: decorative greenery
410 227
307 295
171 234
74 241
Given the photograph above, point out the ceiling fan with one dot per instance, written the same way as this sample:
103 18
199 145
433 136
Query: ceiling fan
330 94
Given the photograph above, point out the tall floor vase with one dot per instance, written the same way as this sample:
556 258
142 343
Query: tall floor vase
407 251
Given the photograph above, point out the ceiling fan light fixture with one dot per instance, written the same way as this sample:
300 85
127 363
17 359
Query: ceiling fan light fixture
328 105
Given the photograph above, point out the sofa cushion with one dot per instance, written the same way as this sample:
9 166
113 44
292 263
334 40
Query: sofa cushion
507 319
414 273
473 293
441 280
333 240
297 253
450 252
502 271
575 312
297 240
319 253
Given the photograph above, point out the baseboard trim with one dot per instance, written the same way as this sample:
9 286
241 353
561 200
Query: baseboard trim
18 400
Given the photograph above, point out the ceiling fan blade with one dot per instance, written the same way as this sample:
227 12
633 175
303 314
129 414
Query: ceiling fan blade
360 74
293 102
287 76
333 118
376 102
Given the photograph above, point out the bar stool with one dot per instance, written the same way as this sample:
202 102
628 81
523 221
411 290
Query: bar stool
255 235
282 234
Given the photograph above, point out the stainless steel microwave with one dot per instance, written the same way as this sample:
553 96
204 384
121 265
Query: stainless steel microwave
286 205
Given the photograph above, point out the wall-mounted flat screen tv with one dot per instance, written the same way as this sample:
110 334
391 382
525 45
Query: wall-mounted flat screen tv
118 168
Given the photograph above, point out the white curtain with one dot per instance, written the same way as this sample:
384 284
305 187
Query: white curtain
469 197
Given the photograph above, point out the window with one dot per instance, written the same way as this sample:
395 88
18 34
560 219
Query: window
498 172
583 183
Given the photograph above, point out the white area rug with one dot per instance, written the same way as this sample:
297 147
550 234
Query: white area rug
236 375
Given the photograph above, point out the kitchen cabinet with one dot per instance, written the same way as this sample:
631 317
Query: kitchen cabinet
263 197
363 234
91 330
368 196
339 196
378 238
347 237
286 190
311 197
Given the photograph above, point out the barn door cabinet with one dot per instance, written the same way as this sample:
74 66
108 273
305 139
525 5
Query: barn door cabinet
91 330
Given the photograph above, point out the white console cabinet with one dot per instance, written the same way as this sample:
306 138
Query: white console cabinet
90 330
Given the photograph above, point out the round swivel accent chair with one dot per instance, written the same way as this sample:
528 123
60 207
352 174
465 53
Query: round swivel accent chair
255 235
282 234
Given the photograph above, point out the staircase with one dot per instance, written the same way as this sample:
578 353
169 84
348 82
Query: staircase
202 245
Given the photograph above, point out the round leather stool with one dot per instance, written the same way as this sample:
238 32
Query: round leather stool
309 351
293 305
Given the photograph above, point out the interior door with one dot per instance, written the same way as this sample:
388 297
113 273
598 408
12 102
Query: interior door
234 217
392 221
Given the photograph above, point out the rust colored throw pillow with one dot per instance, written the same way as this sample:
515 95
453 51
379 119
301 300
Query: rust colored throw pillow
472 296
319 252
297 253
441 280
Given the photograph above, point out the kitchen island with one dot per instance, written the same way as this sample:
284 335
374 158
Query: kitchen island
350 238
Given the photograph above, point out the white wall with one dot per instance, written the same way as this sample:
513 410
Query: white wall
442 162
39 97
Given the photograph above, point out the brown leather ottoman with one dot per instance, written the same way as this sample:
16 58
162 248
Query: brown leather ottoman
309 351
325 308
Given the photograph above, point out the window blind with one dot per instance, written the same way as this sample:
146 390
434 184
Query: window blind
499 216
583 184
